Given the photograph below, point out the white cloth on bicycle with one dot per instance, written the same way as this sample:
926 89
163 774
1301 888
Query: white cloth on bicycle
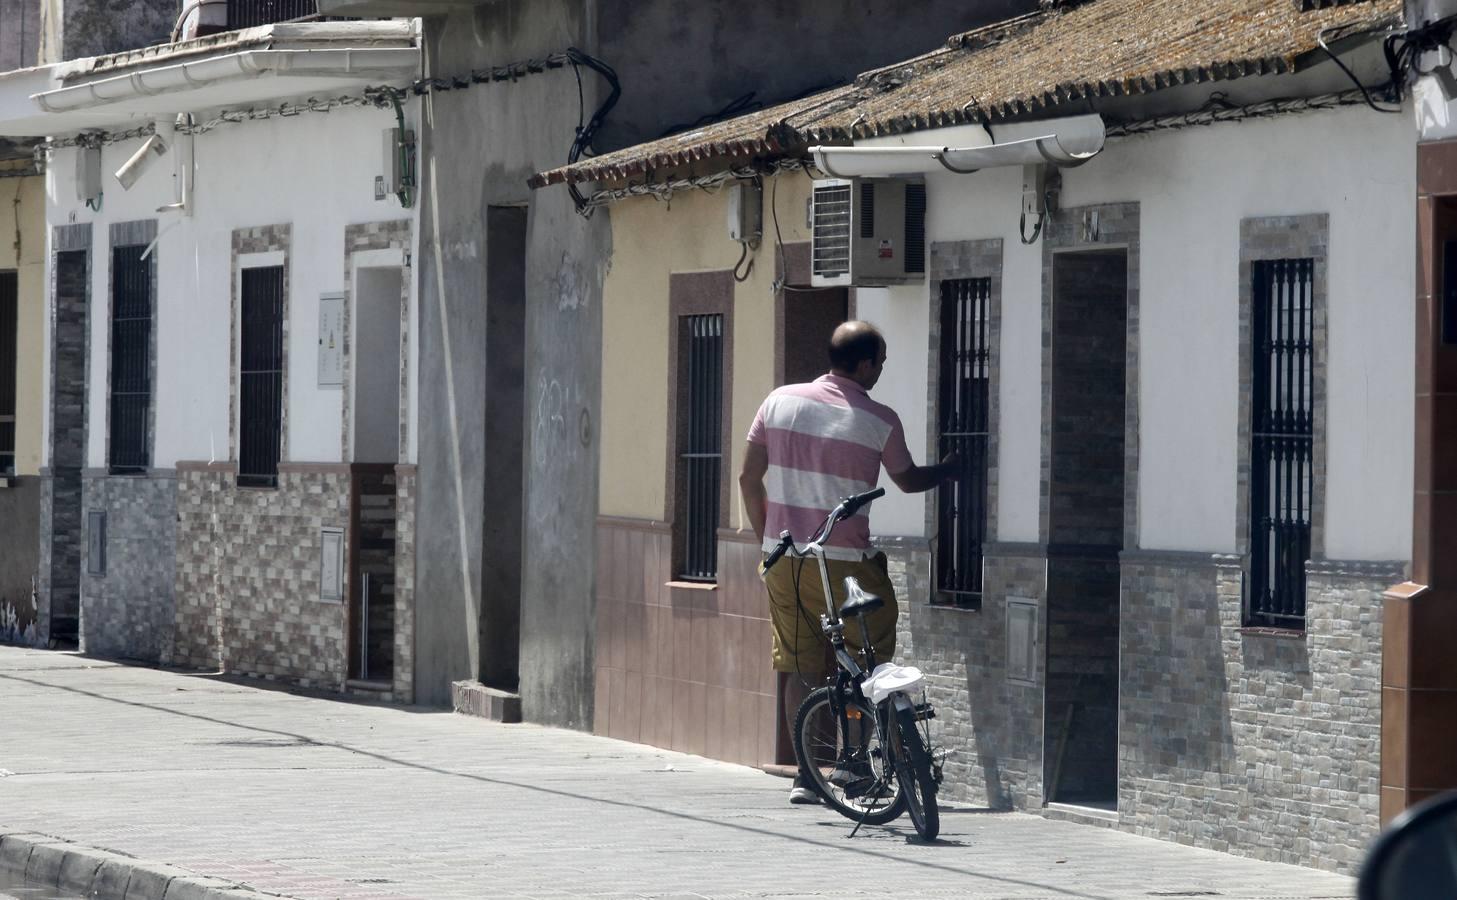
889 678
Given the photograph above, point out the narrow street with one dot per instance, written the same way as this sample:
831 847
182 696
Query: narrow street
309 797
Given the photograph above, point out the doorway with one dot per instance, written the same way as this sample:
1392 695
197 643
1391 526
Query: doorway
500 637
376 405
1085 525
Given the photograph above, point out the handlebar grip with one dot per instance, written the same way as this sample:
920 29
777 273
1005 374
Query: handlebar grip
852 504
784 543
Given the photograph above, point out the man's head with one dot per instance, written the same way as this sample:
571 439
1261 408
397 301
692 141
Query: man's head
857 352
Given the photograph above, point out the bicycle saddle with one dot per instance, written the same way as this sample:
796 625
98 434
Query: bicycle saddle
859 602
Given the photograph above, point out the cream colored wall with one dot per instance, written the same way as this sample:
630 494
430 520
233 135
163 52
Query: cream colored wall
25 223
651 240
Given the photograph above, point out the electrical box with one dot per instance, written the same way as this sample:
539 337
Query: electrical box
331 340
746 211
88 174
1034 190
331 564
398 159
868 232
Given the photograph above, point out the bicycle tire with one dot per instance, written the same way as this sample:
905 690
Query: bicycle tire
814 753
913 765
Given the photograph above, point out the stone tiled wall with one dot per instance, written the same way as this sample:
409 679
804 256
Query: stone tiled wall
994 725
1260 745
128 611
248 569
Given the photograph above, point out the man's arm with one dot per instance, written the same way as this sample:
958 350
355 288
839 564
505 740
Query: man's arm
751 486
917 479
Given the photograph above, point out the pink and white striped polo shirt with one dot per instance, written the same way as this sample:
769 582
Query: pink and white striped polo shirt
826 440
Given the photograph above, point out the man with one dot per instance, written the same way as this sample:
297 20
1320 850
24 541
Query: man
815 444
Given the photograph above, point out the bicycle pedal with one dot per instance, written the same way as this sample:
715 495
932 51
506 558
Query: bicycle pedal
860 787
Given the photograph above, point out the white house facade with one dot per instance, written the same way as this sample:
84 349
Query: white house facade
233 337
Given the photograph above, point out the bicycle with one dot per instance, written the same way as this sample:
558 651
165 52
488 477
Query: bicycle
874 773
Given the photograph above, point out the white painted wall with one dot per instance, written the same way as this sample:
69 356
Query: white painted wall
1194 187
313 171
900 314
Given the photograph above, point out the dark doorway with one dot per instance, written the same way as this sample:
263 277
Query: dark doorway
68 442
807 318
1085 525
505 436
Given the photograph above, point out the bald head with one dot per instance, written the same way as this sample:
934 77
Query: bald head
857 351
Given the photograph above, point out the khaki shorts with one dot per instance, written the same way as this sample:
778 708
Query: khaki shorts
799 645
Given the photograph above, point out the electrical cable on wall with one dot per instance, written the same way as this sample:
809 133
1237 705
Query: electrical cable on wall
582 144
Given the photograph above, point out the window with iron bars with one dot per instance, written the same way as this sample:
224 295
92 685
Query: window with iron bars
131 360
700 446
1281 441
249 13
9 350
260 377
962 424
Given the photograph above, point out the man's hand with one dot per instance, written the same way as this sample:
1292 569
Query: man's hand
949 465
751 486
917 479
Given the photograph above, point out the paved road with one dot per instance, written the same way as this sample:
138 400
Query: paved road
317 798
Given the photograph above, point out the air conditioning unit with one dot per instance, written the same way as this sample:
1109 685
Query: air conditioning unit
868 232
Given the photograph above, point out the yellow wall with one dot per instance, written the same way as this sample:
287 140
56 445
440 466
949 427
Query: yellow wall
651 240
26 223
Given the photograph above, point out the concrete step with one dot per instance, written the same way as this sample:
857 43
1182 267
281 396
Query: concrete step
475 699
1101 816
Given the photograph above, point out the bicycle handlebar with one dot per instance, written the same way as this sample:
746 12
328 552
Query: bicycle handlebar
848 507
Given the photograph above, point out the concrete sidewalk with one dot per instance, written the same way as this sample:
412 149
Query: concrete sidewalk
190 786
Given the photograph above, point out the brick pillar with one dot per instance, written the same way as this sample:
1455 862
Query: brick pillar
1419 671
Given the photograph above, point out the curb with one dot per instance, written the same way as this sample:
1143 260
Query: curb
100 874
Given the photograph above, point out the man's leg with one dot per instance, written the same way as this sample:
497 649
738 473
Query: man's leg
798 648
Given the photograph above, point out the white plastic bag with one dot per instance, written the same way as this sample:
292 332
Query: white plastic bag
889 678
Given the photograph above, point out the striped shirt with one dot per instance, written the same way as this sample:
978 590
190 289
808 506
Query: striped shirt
826 440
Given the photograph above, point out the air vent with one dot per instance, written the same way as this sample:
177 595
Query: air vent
915 227
831 230
867 209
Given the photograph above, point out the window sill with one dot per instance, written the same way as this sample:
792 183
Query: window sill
1288 634
955 607
693 585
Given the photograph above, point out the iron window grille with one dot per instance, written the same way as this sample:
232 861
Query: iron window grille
131 360
962 424
700 458
1281 441
260 377
9 351
249 13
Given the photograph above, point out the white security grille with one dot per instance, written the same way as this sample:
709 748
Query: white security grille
831 229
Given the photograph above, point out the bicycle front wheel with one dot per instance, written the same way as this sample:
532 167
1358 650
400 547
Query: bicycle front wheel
913 766
874 794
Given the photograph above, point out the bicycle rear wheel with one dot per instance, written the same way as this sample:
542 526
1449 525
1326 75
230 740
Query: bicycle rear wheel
819 746
913 766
